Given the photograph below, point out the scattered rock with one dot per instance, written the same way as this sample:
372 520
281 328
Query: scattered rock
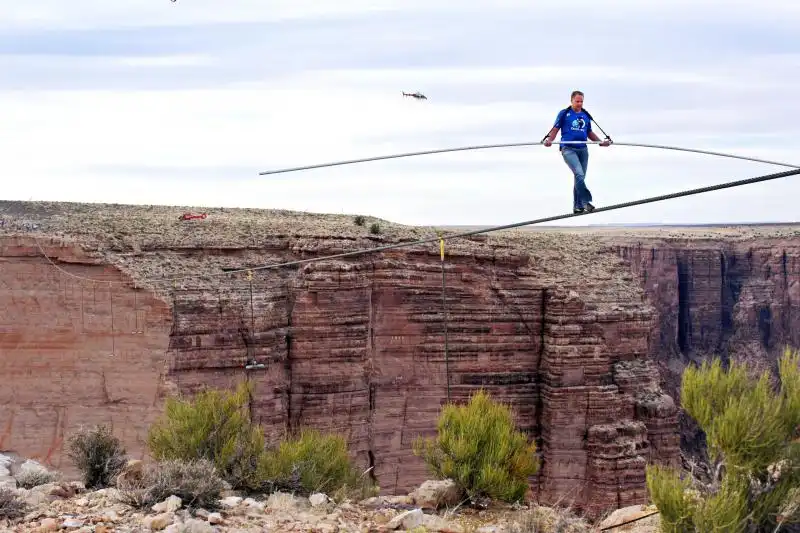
158 522
72 523
318 499
435 494
407 519
440 525
215 518
231 501
49 524
170 505
191 525
633 512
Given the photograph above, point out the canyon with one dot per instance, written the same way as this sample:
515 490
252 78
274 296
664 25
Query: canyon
106 310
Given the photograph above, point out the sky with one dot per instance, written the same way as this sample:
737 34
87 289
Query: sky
184 103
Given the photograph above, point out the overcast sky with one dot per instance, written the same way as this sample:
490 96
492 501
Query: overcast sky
150 101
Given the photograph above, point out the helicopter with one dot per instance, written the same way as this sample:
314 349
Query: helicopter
418 95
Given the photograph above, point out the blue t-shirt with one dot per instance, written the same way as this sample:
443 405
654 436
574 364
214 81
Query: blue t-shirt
574 126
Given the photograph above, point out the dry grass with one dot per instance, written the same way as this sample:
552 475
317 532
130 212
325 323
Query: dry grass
196 483
11 506
29 479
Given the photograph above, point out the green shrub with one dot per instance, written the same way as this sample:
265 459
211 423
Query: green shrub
478 447
750 429
359 220
98 455
315 462
375 228
214 425
196 483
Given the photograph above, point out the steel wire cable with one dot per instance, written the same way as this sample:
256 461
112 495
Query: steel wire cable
429 240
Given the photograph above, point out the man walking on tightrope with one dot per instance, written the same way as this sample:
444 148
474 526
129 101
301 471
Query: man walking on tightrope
576 125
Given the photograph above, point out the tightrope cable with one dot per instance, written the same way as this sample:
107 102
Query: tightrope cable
519 144
406 244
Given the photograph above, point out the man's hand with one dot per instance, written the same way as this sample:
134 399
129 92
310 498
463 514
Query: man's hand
548 142
607 142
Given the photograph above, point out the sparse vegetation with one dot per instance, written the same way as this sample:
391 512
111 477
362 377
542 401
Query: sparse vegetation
196 483
375 228
359 220
478 447
11 506
316 462
28 479
97 454
214 425
549 520
751 428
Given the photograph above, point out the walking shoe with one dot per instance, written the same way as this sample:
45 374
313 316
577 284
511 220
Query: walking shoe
576 210
589 207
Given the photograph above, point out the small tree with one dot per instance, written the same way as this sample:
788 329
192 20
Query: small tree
98 455
312 461
478 447
214 425
751 429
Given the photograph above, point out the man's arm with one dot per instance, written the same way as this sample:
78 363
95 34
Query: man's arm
593 136
551 136
548 140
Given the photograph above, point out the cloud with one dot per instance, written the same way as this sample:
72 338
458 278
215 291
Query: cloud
184 103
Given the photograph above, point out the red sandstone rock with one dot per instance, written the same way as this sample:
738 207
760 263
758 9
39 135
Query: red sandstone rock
358 346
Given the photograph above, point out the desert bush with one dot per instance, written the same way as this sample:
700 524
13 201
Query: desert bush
214 425
478 447
375 228
28 479
11 506
196 483
97 454
750 427
359 220
549 520
313 461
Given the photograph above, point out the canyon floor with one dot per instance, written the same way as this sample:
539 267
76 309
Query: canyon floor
68 506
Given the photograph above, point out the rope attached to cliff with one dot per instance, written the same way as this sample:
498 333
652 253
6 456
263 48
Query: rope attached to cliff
429 240
444 311
520 144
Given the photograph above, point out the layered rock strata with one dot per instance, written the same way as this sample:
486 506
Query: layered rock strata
129 304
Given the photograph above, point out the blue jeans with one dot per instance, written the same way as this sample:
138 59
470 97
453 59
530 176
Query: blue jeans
577 159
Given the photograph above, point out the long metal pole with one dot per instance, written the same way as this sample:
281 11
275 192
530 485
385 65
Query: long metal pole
515 145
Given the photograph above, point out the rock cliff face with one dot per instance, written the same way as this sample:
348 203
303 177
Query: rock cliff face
556 323
737 297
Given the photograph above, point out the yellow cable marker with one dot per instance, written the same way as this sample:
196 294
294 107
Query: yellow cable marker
249 275
441 248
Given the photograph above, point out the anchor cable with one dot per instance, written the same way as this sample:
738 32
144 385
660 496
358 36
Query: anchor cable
652 199
297 262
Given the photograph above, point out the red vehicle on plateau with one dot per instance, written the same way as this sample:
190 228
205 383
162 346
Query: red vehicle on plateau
190 216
